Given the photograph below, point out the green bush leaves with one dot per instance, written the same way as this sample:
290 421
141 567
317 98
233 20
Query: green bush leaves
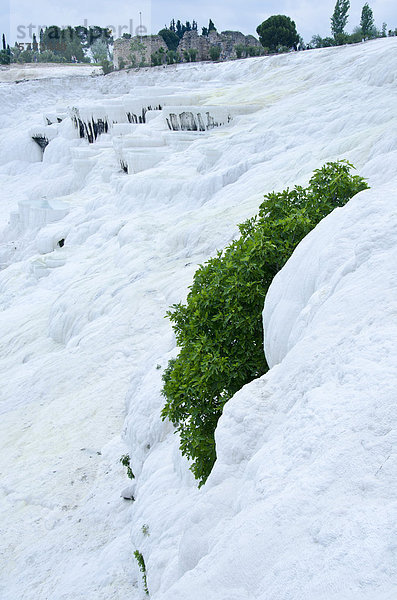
142 567
219 329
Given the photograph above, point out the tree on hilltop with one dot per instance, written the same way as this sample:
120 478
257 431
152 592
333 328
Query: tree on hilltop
211 26
367 23
339 18
99 51
277 31
206 30
5 53
179 28
170 38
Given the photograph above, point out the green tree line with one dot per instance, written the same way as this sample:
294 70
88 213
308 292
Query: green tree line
61 44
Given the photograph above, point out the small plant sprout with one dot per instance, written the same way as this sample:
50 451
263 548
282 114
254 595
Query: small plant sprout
125 461
142 568
145 529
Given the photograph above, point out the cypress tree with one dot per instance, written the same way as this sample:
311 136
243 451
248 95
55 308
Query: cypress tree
35 45
339 17
367 20
179 31
211 26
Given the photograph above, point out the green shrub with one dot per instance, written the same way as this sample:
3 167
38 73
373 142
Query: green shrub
4 57
171 57
107 66
253 51
126 462
170 38
215 53
354 38
142 567
48 56
193 54
240 49
154 60
26 56
99 50
219 329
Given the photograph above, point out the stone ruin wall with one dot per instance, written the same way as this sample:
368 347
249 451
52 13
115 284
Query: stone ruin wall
136 51
192 40
227 41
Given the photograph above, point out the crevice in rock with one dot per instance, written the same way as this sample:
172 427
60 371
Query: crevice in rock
90 129
41 140
194 121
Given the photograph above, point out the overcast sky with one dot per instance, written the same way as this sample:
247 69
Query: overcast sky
310 16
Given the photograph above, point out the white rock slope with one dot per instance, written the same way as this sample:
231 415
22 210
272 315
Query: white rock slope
301 503
302 500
